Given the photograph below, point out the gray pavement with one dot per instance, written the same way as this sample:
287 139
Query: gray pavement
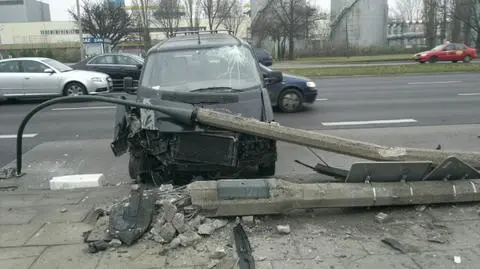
41 229
342 103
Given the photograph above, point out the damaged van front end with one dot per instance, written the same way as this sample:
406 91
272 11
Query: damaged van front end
165 149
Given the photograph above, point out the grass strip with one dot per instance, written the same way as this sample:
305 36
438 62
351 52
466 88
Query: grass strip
380 70
352 59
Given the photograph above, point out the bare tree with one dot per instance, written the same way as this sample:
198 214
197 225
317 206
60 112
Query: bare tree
291 14
410 10
215 10
104 20
141 14
169 14
190 9
235 18
467 12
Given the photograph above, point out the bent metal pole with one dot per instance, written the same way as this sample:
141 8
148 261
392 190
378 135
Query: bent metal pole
275 196
326 142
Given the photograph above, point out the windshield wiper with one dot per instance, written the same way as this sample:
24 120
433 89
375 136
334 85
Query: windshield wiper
215 88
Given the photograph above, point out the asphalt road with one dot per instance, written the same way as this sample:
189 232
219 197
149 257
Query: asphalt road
346 103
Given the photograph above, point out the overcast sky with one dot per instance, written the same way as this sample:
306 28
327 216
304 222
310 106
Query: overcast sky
58 8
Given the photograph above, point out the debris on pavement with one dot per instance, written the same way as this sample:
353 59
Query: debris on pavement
382 218
283 229
163 215
243 248
219 253
394 244
457 259
421 208
129 220
7 173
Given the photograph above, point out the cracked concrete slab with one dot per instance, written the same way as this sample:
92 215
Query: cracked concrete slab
59 233
17 235
67 256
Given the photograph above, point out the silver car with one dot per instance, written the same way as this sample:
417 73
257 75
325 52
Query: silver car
44 77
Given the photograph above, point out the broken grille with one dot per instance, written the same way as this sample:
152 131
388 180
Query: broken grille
206 148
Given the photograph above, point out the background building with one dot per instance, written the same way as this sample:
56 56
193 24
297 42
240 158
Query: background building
24 11
359 23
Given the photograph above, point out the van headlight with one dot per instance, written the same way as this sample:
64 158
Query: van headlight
97 80
311 84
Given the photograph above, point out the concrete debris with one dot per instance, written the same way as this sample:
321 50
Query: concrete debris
421 208
457 259
283 229
169 210
94 247
382 218
166 188
219 253
209 227
248 220
164 213
63 210
179 223
168 232
100 231
196 221
115 243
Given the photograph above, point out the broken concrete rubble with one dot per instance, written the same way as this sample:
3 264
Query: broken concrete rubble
159 212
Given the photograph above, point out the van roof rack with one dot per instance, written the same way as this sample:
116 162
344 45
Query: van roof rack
198 32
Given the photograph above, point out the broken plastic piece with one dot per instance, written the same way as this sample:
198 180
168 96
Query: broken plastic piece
130 219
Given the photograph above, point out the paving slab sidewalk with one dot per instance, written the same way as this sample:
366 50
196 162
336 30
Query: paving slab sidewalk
42 229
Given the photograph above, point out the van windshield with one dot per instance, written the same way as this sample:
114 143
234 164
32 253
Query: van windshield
227 67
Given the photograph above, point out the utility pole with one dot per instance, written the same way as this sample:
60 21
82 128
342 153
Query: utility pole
80 34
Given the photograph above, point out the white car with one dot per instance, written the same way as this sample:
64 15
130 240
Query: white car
44 77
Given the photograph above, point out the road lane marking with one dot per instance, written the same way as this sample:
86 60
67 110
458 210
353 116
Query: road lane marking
82 108
322 99
340 123
469 94
9 136
434 82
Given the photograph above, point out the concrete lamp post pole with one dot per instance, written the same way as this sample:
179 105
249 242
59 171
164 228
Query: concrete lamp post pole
80 34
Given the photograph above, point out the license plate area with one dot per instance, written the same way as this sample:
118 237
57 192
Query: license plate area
208 148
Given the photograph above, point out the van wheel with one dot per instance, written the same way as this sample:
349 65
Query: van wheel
455 61
433 60
266 170
290 100
467 59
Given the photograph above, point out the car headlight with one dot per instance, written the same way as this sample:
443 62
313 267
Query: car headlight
311 84
423 54
97 79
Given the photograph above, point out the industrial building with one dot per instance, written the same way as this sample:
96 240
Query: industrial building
24 11
359 23
33 34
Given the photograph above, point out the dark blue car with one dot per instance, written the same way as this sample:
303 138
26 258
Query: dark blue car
290 94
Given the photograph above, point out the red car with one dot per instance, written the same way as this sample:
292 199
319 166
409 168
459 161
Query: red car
453 52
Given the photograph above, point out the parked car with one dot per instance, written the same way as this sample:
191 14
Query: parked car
290 94
44 77
453 52
264 57
116 65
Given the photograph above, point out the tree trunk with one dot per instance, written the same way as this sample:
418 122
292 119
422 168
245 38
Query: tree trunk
291 45
477 42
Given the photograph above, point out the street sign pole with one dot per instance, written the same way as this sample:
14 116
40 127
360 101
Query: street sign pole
80 34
